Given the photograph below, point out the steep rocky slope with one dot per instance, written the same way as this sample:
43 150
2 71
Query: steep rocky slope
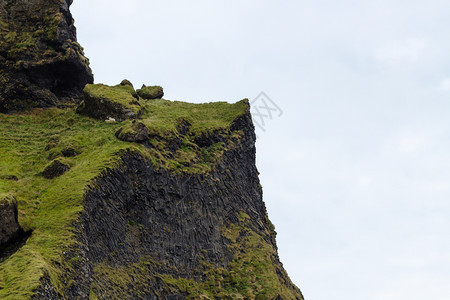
124 197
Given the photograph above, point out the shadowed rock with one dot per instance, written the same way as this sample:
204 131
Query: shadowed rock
9 177
55 169
9 225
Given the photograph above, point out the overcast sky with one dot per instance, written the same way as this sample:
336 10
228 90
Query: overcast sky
356 170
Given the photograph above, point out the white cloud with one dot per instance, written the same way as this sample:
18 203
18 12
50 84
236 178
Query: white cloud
445 84
405 146
416 286
434 187
407 51
364 182
412 145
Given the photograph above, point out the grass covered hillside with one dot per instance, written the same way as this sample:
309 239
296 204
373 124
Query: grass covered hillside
32 141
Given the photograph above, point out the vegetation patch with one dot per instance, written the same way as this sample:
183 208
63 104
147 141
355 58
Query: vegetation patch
123 282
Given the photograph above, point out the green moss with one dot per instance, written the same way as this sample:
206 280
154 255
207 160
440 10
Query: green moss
164 116
7 199
123 282
29 141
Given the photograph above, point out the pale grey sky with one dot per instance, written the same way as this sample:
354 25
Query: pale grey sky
356 172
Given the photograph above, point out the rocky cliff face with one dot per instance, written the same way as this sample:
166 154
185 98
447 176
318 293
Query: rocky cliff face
41 63
143 199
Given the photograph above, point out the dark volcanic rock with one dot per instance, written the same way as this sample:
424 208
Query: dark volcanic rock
9 224
41 63
55 169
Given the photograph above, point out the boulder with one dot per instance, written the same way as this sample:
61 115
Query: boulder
9 226
126 82
150 92
55 169
70 152
105 102
134 132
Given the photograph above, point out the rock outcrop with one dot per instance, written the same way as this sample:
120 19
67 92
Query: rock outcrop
55 169
10 229
110 102
41 63
133 132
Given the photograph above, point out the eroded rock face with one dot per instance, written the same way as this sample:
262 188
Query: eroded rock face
41 63
9 225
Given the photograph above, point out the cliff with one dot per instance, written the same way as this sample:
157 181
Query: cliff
127 195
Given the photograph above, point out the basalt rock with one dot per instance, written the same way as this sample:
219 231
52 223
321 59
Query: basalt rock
41 63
